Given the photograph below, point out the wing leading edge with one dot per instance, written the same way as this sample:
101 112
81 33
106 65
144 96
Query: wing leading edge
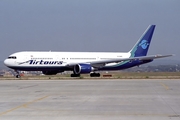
101 63
151 57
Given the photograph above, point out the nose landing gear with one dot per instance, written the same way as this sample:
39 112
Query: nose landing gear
17 74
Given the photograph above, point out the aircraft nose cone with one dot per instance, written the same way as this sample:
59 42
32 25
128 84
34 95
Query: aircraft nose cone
6 62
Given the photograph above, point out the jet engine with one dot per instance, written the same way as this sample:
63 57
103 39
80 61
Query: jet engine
83 68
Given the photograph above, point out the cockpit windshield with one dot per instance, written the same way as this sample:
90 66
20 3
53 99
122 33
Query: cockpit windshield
12 57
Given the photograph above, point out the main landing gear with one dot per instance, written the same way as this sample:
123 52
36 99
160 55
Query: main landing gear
95 75
91 75
75 75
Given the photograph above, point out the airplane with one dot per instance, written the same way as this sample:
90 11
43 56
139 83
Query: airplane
51 63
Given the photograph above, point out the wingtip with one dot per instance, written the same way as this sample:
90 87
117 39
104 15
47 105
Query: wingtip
171 55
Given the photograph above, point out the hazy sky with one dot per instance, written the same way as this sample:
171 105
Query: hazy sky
88 25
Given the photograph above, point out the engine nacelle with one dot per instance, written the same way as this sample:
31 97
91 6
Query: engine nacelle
50 72
83 68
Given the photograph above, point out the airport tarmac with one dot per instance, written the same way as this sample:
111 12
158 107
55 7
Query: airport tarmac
90 99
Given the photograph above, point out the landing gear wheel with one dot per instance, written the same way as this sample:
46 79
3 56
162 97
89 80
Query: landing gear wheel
17 76
75 75
95 75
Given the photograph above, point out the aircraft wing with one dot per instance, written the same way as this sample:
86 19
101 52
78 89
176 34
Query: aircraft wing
100 63
103 62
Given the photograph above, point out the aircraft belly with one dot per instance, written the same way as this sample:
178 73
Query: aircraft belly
39 68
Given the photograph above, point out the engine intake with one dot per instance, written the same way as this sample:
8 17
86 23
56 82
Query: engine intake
82 68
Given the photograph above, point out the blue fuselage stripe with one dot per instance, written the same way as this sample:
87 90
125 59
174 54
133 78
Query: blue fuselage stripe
120 66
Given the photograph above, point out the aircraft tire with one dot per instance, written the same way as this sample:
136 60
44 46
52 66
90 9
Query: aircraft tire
75 75
95 75
17 76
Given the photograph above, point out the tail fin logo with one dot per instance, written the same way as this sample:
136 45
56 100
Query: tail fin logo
144 44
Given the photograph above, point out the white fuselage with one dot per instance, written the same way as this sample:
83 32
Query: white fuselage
49 59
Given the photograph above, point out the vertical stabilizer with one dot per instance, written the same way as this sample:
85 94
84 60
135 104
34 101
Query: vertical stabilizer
142 46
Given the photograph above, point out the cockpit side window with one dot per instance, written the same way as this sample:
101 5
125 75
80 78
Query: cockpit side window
12 57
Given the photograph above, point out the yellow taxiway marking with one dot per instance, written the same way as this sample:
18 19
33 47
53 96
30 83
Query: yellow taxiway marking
23 105
165 86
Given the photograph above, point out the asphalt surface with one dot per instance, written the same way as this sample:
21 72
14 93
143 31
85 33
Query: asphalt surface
90 99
